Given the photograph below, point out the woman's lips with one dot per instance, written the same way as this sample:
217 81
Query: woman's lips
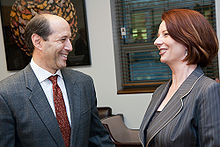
162 51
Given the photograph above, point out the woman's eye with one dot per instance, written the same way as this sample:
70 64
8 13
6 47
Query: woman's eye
166 34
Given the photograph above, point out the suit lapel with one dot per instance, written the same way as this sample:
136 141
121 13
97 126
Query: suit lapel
174 106
172 109
157 98
73 93
39 101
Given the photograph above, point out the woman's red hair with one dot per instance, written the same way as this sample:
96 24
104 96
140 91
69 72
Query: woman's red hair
191 29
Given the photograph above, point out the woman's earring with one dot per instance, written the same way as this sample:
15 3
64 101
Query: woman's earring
186 52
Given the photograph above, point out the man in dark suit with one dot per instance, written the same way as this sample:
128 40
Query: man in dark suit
29 114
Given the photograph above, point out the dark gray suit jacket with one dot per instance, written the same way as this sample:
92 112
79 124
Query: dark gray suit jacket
27 120
190 119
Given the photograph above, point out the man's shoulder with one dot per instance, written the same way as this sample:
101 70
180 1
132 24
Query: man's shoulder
15 76
12 82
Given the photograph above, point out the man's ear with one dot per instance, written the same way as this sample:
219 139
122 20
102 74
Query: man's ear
37 41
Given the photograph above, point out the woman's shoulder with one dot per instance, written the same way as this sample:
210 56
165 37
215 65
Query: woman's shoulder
207 82
209 86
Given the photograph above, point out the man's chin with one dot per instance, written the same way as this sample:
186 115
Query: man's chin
63 65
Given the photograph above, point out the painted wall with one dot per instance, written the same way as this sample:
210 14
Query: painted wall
102 70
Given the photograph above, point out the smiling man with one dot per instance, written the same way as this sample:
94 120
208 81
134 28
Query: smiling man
46 104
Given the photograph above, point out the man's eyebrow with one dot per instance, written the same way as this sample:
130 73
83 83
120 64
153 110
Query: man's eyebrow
65 36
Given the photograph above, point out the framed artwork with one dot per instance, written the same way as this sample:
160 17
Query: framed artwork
15 14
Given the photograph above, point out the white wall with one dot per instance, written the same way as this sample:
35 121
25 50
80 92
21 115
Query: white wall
102 69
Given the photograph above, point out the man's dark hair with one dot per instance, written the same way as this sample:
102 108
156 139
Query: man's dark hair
37 25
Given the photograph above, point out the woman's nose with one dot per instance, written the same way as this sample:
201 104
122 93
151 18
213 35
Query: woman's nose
158 41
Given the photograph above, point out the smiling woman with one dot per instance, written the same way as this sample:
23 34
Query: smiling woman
171 52
184 111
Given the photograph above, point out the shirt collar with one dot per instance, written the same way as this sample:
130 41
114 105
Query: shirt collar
41 73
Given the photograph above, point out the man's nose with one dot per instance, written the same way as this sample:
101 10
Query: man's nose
68 45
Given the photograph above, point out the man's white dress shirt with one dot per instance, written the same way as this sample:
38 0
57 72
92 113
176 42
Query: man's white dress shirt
42 76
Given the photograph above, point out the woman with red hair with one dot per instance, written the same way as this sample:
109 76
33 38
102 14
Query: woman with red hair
184 112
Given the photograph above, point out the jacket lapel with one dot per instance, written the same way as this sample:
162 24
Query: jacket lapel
174 106
73 93
172 109
157 98
39 101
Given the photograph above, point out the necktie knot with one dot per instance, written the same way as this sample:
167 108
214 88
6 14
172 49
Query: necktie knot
53 79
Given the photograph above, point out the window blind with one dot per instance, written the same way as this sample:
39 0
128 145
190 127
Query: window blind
137 23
